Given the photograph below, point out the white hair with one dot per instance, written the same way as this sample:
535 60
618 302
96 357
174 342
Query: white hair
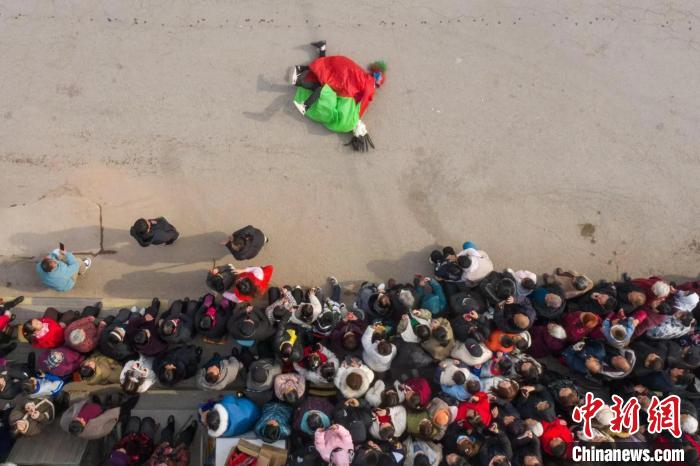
661 289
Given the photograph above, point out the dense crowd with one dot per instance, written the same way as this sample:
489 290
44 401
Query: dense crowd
471 365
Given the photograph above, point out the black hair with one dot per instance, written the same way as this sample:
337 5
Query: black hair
506 341
558 450
131 384
168 376
213 419
328 371
473 386
279 312
464 261
414 401
440 334
140 226
528 283
75 427
86 371
421 460
246 327
522 344
314 421
168 327
259 374
459 378
216 282
210 377
286 349
611 304
246 286
386 432
206 322
306 312
384 348
141 337
505 364
390 398
271 432
425 429
371 457
46 265
422 331
28 331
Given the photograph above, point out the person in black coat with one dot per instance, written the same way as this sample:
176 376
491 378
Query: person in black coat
13 375
177 364
601 300
288 341
250 324
113 342
142 331
176 325
514 318
538 404
496 449
355 417
497 287
245 243
154 231
211 317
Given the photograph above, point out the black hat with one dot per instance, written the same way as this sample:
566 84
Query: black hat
259 374
473 347
246 327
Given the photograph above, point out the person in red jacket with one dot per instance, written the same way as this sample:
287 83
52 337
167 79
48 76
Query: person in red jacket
48 331
249 283
474 413
556 439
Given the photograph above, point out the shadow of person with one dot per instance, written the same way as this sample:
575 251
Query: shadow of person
158 282
411 263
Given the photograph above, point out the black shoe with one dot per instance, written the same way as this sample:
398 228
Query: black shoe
155 304
7 349
13 303
132 425
123 315
626 277
321 44
171 422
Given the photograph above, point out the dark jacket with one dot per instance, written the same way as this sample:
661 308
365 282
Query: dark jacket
356 419
642 350
220 313
181 313
495 283
162 232
494 445
14 374
478 328
292 334
118 351
527 407
155 345
588 304
537 299
263 328
253 240
186 360
503 317
356 327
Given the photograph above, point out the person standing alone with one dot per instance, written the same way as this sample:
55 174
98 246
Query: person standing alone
60 269
154 231
245 243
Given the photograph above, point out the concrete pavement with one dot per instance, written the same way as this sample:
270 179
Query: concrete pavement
552 134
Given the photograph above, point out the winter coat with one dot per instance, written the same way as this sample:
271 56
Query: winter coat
97 427
432 450
47 413
462 353
86 331
60 361
50 335
315 376
544 343
341 374
520 291
556 429
575 356
371 356
435 348
162 232
356 419
107 370
312 404
405 329
259 276
481 406
253 241
229 369
182 315
186 360
144 370
14 374
293 335
434 300
610 340
334 445
479 268
465 326
609 372
575 329
493 283
494 445
155 345
335 339
373 397
47 386
279 412
237 415
263 328
586 302
503 317
295 317
527 407
118 351
538 302
396 416
219 313
642 350
62 277
420 386
290 380
409 357
444 376
271 368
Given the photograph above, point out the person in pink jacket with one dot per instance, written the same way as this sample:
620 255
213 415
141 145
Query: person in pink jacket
334 445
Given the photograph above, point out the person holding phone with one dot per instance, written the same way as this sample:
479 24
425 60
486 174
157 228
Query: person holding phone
60 269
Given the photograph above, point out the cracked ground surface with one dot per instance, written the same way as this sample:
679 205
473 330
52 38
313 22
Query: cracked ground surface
558 135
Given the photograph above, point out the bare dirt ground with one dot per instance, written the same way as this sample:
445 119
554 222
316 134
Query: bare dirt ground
550 133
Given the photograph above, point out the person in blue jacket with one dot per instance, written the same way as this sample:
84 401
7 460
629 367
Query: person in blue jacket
430 295
231 416
59 270
585 357
274 423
